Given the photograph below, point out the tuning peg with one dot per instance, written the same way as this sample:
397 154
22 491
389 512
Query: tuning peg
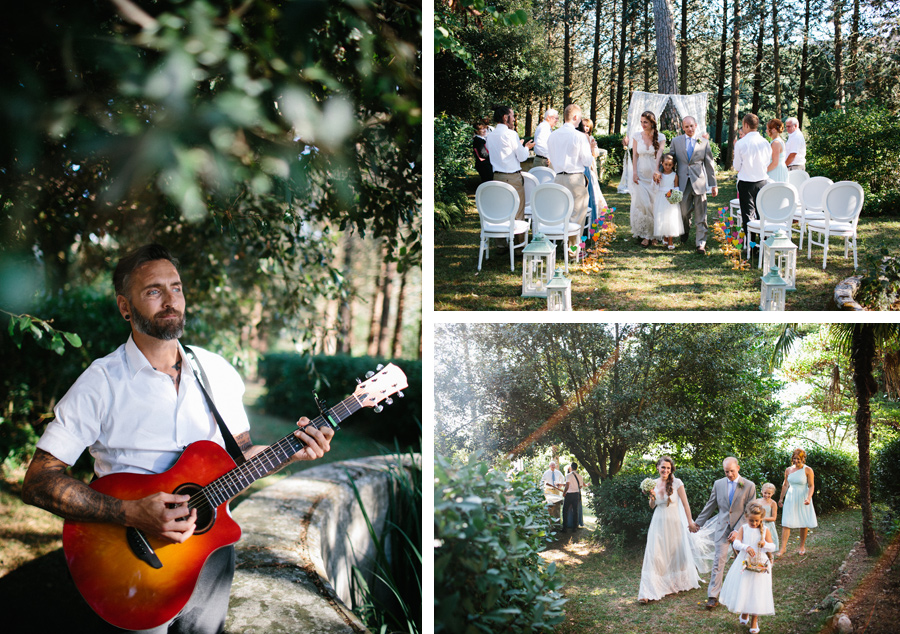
399 394
369 374
389 401
358 381
378 409
379 367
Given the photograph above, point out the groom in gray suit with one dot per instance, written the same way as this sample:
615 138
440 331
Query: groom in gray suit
695 169
730 498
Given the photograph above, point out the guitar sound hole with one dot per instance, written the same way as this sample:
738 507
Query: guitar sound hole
206 514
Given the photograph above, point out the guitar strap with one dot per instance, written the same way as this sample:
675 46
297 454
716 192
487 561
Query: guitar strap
230 444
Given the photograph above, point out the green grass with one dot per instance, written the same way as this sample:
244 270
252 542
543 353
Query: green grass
637 278
602 587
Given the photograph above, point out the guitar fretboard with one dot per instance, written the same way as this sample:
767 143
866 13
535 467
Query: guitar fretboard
270 459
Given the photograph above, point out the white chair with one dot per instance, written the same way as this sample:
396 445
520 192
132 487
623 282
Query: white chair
543 174
497 204
775 206
797 178
552 206
810 208
531 182
843 202
734 208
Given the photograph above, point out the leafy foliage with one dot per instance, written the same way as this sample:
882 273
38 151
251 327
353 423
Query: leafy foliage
489 532
879 288
453 161
292 378
859 144
886 473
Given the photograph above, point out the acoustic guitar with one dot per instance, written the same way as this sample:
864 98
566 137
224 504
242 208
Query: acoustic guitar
138 582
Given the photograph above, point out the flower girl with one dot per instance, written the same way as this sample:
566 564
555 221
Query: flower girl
747 589
667 211
770 507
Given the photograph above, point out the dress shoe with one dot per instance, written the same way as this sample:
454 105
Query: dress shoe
711 603
701 250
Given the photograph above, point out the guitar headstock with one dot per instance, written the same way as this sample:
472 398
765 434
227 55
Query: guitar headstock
380 386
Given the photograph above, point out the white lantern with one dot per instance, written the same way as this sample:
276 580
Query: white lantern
538 262
782 254
559 292
771 291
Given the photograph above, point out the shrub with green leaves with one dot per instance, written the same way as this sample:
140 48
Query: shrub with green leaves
858 144
886 472
489 531
453 160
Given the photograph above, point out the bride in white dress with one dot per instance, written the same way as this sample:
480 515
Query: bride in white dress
647 150
669 564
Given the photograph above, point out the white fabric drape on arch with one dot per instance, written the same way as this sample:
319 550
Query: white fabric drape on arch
693 105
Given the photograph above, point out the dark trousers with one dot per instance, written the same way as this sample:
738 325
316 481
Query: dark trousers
570 510
747 195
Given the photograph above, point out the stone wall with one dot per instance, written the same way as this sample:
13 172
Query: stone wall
301 538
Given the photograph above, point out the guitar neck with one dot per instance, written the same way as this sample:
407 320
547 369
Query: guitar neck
273 457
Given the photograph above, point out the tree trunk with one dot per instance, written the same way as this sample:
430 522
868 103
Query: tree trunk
620 82
757 67
397 344
372 340
631 48
720 85
612 72
776 61
345 334
735 83
595 67
645 58
385 321
838 54
567 56
528 119
804 66
853 69
684 47
665 58
863 357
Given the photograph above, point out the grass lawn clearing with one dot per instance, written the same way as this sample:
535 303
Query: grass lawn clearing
638 278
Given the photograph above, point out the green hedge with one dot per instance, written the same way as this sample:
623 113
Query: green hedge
489 531
453 161
291 378
623 514
886 472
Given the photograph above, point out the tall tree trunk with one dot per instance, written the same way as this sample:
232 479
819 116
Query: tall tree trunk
396 344
862 353
528 119
804 66
385 321
684 47
372 340
345 332
613 68
567 56
853 69
735 83
632 46
595 67
776 61
620 81
720 85
645 58
757 67
665 58
838 54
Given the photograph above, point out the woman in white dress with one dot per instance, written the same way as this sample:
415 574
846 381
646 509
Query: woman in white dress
668 560
646 151
747 589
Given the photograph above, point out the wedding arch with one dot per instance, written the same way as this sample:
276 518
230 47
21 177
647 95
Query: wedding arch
686 105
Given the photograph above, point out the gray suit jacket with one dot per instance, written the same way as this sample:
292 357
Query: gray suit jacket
744 495
700 170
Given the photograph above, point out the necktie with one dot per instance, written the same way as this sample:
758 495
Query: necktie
731 488
690 148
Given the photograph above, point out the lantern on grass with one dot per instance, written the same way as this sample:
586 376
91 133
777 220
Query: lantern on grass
559 292
781 253
538 262
771 291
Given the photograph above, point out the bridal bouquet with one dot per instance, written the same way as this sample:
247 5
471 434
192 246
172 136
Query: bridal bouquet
648 485
674 196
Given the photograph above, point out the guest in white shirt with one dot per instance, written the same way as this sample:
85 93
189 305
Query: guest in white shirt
507 153
541 136
751 159
572 499
136 410
570 153
553 479
795 148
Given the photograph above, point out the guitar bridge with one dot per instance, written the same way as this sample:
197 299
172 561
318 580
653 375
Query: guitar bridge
141 547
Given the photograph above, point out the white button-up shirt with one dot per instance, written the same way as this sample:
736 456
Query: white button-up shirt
570 150
505 149
796 144
752 156
131 417
553 477
541 136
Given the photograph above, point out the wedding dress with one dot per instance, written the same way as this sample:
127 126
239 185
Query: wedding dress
668 559
644 193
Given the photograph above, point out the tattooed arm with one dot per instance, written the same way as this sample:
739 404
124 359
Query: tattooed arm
48 486
318 443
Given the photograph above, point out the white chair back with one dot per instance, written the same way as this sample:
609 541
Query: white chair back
497 203
843 202
812 190
797 177
543 174
551 206
531 183
776 202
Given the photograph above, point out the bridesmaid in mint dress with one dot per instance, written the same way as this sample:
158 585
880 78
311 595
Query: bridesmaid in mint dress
799 485
777 170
